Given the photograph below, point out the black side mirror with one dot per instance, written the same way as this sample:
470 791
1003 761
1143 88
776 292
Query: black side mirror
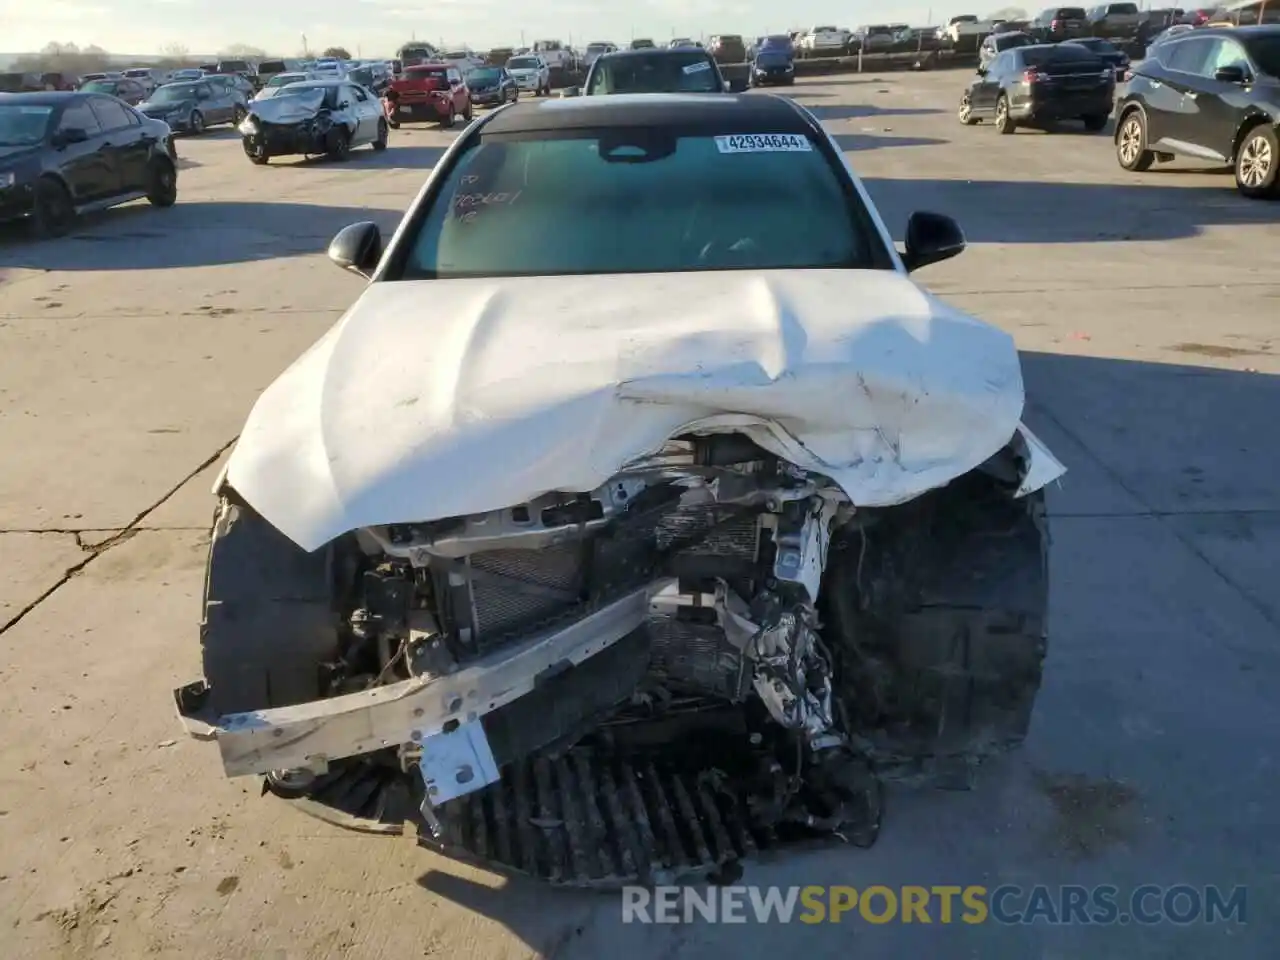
70 135
357 248
1230 75
931 238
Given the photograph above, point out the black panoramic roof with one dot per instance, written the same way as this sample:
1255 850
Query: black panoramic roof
726 112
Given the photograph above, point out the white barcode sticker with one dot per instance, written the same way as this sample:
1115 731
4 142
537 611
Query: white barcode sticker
764 143
698 67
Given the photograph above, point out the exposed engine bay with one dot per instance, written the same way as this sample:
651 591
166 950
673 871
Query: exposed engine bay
715 652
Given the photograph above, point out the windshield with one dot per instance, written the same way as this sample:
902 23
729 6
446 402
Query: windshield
173 92
272 66
233 65
1265 52
522 63
677 72
137 73
773 55
100 86
771 42
597 47
484 75
23 125
641 201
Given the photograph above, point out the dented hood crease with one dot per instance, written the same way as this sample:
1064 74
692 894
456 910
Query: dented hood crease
432 399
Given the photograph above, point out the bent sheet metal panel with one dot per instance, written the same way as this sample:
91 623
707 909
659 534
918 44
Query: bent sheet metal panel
432 399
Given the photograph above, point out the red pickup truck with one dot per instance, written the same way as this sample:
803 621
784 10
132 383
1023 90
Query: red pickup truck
428 92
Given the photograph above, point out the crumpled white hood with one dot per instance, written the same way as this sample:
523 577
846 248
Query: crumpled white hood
432 399
289 107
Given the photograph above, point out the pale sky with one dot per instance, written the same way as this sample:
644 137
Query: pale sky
378 27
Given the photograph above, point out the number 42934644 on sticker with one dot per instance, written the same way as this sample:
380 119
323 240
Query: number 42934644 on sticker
763 143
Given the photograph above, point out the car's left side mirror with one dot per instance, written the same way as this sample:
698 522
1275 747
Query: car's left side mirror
357 248
1230 75
931 238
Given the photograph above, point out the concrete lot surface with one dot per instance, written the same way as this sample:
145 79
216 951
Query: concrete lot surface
1148 307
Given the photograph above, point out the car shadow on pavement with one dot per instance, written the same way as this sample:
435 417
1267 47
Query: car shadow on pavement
396 156
1037 211
195 234
860 111
851 142
1162 529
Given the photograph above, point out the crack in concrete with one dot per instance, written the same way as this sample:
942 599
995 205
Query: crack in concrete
1119 481
78 531
118 536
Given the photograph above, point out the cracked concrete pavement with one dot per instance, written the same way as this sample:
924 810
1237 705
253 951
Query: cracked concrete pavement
1146 308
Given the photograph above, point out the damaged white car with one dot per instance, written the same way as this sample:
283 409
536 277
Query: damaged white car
619 554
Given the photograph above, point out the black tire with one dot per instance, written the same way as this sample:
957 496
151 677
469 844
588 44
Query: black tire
447 122
469 113
393 124
269 622
1095 123
196 124
380 142
162 183
338 144
255 151
1003 122
1131 143
52 210
936 616
1257 165
238 115
965 111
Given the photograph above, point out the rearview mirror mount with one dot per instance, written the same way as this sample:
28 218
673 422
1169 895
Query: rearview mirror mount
357 248
931 238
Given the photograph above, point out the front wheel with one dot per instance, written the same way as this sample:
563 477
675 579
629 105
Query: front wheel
1004 122
1258 164
449 120
197 123
380 142
338 144
52 211
162 184
965 112
1131 144
256 150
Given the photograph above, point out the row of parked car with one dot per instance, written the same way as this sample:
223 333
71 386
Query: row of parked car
1210 95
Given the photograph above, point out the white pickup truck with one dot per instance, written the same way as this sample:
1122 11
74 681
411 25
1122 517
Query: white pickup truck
965 26
823 42
555 54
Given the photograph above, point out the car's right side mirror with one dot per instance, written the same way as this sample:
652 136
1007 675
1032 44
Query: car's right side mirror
1231 74
64 138
931 238
357 248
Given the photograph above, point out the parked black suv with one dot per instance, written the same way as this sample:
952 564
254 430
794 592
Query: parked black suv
62 154
1038 85
1115 20
1213 95
1060 23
